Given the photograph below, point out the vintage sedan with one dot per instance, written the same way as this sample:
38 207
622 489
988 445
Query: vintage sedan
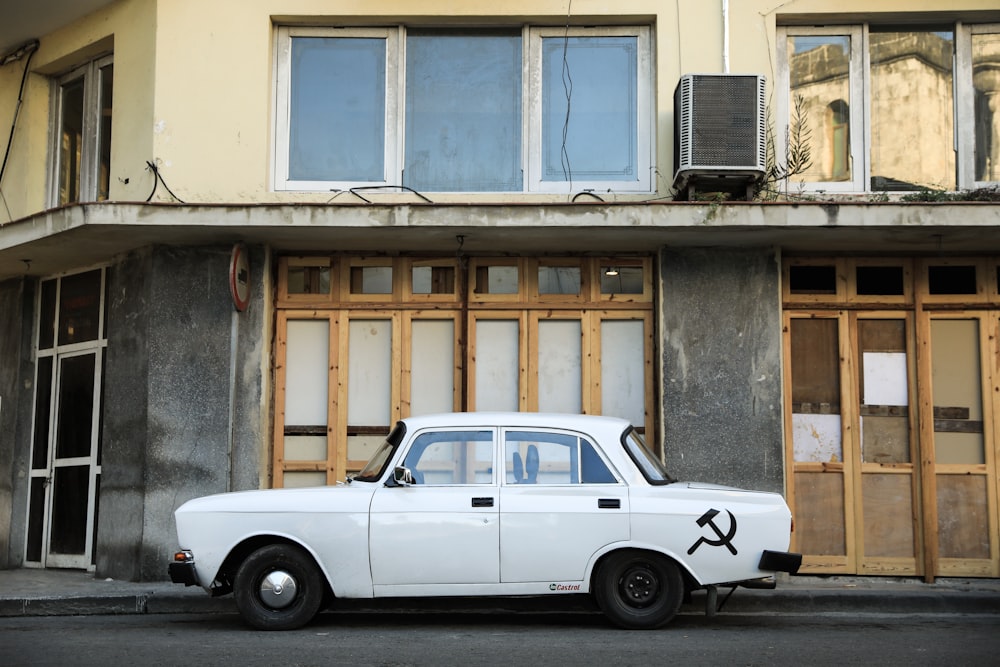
486 504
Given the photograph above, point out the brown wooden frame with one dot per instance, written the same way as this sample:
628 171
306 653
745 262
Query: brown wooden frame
465 309
919 307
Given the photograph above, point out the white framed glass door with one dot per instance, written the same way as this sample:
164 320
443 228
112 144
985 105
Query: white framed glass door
65 470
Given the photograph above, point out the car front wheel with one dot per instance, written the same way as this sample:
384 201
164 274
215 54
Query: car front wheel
638 590
278 587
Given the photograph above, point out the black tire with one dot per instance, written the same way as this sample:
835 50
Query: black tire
278 587
639 590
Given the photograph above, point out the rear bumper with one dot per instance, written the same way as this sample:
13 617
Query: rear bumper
183 573
780 561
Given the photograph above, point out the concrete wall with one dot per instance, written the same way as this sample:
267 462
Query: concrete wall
178 423
210 128
16 386
721 347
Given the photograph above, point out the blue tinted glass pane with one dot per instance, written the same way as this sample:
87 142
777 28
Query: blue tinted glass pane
589 123
463 113
337 110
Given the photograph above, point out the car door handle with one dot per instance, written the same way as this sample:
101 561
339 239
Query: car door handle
609 503
482 502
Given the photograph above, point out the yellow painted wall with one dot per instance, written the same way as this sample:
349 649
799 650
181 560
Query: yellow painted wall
127 27
194 78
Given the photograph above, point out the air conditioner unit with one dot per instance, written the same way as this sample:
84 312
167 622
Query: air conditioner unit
719 130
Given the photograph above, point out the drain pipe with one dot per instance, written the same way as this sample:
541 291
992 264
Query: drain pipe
725 36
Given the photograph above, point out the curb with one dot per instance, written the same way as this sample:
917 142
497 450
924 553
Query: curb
743 601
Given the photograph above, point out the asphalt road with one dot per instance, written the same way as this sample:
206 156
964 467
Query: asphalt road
519 639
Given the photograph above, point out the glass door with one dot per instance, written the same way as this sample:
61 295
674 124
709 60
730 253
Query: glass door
75 469
66 449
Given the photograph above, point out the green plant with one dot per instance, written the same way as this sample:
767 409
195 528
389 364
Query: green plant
991 194
798 152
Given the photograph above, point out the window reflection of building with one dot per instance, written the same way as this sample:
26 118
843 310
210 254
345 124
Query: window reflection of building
819 71
838 120
899 89
912 110
986 81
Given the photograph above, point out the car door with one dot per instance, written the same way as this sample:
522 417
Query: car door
444 528
560 502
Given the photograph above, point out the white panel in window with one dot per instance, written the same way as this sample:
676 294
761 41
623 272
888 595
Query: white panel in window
305 448
623 386
497 355
816 438
298 480
559 371
369 391
433 367
307 367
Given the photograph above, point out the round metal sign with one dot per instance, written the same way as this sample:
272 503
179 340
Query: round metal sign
239 277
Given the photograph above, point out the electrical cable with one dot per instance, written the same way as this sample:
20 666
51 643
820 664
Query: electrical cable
30 47
158 178
567 81
354 191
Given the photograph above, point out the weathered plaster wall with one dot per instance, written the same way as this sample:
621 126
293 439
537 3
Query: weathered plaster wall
16 301
173 429
126 396
721 346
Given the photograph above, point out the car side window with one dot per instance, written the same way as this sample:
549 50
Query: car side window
541 457
451 457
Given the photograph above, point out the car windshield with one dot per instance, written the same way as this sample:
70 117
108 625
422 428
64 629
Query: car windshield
651 467
375 468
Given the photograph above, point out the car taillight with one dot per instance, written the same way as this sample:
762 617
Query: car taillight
183 556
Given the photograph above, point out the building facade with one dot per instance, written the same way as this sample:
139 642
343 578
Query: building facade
240 239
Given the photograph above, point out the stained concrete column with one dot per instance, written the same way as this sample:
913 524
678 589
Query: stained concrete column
179 421
17 300
721 353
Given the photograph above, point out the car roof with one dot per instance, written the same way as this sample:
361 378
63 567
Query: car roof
595 424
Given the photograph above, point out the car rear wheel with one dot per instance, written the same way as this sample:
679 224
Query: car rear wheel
639 590
278 587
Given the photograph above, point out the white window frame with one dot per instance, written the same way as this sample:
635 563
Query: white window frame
282 107
965 100
645 145
860 145
530 148
857 153
91 135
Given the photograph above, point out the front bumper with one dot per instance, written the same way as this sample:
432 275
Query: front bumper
183 573
780 561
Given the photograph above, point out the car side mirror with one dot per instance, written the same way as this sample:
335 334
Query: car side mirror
402 476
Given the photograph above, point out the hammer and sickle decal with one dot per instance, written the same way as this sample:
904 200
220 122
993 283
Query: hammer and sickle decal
708 518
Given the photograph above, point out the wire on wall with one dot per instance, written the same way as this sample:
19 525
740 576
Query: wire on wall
29 50
158 179
567 81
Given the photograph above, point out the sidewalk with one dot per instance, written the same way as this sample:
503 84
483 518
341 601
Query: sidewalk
35 592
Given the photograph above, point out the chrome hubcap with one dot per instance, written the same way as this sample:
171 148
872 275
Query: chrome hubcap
278 589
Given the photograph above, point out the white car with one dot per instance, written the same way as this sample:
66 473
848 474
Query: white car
486 504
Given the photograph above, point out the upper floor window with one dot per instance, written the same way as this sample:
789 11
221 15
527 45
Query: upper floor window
890 108
462 110
81 151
